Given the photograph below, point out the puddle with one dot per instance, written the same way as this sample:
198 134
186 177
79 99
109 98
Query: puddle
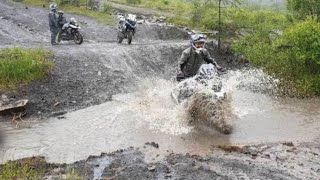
149 115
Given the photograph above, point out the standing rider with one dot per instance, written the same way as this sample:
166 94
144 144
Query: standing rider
53 23
193 57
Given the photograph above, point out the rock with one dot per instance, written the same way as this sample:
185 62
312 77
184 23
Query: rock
162 18
152 168
99 73
4 97
140 21
57 170
242 176
153 144
282 156
61 117
288 143
14 106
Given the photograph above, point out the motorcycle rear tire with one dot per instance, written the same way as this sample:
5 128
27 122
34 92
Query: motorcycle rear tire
78 39
130 35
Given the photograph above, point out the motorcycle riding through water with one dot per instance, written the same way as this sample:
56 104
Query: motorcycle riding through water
207 78
200 88
126 28
71 32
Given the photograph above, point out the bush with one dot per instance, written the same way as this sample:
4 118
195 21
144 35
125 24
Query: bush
106 8
71 2
18 65
134 1
293 57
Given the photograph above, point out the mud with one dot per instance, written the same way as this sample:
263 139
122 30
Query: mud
207 109
273 161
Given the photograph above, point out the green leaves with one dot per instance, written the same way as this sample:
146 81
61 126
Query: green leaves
302 8
292 55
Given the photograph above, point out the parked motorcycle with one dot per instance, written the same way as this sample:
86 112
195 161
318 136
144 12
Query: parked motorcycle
71 32
127 28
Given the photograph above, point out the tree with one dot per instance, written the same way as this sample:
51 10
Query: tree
305 8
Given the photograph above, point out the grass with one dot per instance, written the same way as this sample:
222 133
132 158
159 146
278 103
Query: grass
103 16
34 168
172 6
73 175
31 168
21 66
100 16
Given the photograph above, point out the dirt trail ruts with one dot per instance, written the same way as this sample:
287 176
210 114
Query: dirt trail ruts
88 74
274 161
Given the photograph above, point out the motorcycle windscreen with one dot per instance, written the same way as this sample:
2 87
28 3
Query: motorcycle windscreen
207 70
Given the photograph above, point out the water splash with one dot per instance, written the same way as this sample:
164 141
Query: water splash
250 79
153 103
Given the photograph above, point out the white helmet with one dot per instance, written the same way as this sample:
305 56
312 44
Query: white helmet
121 18
197 38
73 20
53 7
131 17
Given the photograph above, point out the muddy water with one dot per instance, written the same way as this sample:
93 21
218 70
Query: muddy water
149 115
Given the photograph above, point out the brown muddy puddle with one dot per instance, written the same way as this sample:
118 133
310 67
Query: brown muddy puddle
149 115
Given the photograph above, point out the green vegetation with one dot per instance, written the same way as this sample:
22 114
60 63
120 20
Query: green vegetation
80 7
73 175
171 6
19 65
26 169
294 56
302 8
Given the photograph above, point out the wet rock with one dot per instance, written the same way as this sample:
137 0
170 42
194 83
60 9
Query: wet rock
282 156
288 144
152 168
242 176
58 170
140 21
153 144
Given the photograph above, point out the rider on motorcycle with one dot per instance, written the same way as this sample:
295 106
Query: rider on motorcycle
62 22
193 57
